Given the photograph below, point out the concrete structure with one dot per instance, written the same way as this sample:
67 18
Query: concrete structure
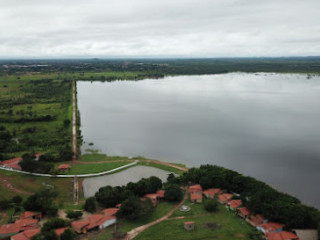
96 221
189 226
306 234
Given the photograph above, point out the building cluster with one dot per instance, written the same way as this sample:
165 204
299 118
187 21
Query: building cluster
271 230
25 227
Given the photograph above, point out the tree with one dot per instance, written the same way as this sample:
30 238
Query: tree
134 207
90 205
173 193
41 201
17 199
74 214
68 235
211 205
54 223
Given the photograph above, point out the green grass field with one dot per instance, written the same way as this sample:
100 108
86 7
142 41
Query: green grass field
99 157
232 227
95 168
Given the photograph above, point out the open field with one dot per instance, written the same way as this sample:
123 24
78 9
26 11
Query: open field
232 227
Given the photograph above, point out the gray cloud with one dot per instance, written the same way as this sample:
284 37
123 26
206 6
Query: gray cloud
137 28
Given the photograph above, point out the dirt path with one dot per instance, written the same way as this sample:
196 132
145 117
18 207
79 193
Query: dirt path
74 124
134 232
75 190
8 185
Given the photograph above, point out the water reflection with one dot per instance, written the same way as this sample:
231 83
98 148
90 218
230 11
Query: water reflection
263 125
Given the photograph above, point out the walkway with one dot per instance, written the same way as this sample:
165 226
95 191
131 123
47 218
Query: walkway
134 232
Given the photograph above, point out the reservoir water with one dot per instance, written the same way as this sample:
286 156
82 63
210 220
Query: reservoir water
263 125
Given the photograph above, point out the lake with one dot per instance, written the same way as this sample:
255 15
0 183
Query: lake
265 125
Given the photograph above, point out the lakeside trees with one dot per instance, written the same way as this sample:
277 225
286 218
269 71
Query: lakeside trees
256 195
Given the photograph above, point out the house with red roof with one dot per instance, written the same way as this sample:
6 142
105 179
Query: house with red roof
160 194
212 192
196 198
244 212
225 198
234 204
197 189
110 211
270 227
96 221
31 215
64 167
26 235
118 205
20 225
153 198
283 235
12 163
256 220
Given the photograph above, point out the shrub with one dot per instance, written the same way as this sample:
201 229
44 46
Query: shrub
74 214
173 193
90 205
211 205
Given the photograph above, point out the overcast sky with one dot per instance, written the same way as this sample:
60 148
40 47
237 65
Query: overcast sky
162 28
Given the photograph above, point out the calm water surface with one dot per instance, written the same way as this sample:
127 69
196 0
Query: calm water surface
263 125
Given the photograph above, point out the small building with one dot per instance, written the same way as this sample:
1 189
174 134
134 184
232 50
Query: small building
31 215
110 211
196 198
96 221
306 234
153 198
234 204
20 225
212 192
225 198
197 189
64 167
270 227
256 220
244 212
160 194
26 235
283 235
189 226
12 163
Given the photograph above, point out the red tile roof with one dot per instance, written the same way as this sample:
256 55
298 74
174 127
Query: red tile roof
64 167
195 188
118 205
194 196
28 214
160 193
151 196
80 224
110 211
283 235
97 220
18 226
235 203
59 231
225 197
26 235
245 211
212 191
12 163
187 223
271 226
257 219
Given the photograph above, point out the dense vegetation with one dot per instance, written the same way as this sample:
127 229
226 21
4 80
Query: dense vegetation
35 115
110 196
256 195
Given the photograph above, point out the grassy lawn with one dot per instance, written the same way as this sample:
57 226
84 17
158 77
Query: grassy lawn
99 157
232 227
95 168
32 184
196 209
